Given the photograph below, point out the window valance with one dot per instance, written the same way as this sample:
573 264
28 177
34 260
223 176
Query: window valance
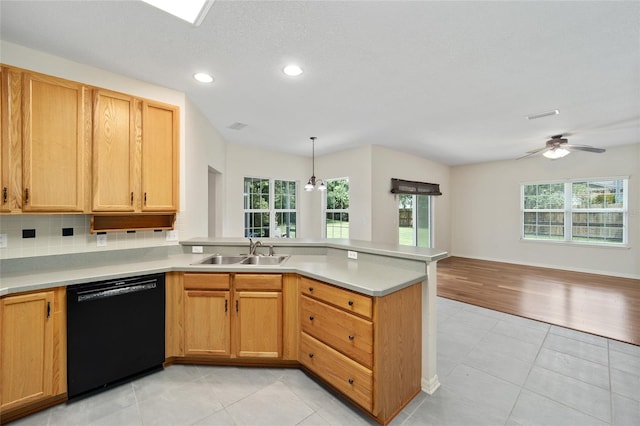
400 186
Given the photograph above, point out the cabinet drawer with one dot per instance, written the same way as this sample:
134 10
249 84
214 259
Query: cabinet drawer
346 375
271 282
351 335
206 281
344 299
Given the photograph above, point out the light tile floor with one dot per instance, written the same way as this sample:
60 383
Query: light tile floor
494 369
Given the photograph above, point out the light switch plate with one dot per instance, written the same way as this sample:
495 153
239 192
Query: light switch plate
197 249
3 240
101 240
172 236
352 254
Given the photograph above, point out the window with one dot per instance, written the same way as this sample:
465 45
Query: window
336 214
414 220
270 208
584 211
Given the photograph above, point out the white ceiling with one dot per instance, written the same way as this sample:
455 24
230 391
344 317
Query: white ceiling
450 81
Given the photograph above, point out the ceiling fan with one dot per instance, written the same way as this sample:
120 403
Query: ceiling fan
558 147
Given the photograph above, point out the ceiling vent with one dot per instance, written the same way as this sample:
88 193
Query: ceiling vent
237 126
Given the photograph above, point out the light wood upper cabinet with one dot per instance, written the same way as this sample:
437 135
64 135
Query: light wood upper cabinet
160 136
10 141
115 153
53 137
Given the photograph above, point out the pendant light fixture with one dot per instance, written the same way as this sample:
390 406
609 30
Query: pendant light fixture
313 182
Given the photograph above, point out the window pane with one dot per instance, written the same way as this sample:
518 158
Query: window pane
337 225
598 194
256 225
256 193
598 227
423 219
544 225
285 225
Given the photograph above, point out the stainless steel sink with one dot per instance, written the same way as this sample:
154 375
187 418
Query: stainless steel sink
218 259
264 260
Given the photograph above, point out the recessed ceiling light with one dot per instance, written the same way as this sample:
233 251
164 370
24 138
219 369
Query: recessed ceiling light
192 11
543 114
203 77
292 70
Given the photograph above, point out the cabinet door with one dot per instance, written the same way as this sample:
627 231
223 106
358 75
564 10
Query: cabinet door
10 140
159 157
259 324
207 323
114 153
53 144
26 349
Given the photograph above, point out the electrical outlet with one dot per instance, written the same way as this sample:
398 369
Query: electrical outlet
196 249
172 236
3 240
352 254
101 240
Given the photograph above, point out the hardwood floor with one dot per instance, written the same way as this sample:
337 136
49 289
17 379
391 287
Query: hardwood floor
597 304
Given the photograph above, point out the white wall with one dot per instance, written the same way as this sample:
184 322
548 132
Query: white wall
243 161
389 164
204 148
485 208
200 146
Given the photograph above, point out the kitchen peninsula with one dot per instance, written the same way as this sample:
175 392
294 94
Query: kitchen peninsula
364 326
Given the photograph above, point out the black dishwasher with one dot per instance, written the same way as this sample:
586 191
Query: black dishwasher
115 331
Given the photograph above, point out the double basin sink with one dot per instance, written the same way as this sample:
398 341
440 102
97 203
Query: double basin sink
218 259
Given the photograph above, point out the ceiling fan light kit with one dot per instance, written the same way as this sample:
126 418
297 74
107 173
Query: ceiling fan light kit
556 153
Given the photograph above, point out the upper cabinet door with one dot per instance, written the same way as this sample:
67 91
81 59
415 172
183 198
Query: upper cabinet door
53 144
10 140
160 141
114 153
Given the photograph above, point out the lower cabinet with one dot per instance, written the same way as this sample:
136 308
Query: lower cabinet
32 349
367 348
233 315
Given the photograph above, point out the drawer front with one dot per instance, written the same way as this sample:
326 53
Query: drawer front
346 375
258 282
197 281
351 335
341 298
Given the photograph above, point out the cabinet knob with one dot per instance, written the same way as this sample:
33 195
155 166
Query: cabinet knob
351 337
350 302
132 198
26 196
311 318
311 355
4 195
311 289
350 381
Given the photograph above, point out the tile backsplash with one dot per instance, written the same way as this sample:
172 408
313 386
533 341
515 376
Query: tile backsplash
49 239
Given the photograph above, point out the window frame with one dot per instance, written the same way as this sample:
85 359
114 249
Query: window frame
326 210
568 210
271 210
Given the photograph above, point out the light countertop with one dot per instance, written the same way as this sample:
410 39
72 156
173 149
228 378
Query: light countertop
383 271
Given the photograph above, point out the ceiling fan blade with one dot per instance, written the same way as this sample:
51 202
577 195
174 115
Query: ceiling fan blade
585 148
535 151
532 153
